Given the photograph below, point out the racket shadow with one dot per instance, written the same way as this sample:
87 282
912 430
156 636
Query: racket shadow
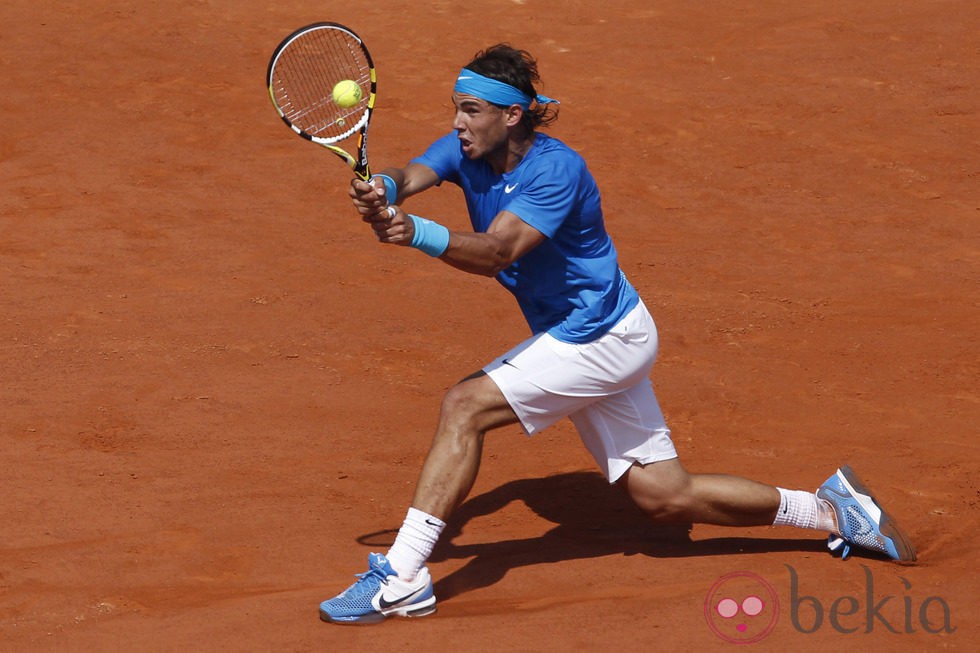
591 519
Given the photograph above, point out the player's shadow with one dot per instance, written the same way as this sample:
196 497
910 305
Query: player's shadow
592 519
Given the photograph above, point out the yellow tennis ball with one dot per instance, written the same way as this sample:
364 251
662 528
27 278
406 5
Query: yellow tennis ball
347 93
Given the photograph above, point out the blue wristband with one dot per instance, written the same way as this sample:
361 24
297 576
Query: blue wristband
391 188
430 237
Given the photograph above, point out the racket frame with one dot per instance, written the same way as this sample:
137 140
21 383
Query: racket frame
358 163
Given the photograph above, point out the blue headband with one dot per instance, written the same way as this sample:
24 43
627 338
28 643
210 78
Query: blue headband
495 91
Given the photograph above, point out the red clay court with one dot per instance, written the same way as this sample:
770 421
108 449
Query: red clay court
217 388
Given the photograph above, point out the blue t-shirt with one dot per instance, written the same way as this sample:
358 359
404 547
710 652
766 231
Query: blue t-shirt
570 285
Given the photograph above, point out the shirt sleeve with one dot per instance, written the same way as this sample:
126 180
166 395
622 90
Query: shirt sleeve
547 198
443 157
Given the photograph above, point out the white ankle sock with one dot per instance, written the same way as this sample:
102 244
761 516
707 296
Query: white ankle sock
804 510
414 543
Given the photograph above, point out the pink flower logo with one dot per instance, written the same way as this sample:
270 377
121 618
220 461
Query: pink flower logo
741 608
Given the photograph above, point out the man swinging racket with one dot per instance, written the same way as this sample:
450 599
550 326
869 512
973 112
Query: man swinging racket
538 229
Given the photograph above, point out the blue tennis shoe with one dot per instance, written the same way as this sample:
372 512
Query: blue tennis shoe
860 520
378 593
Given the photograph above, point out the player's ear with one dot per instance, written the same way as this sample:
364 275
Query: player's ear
513 114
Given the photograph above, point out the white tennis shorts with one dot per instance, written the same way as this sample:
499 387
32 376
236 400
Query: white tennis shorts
603 386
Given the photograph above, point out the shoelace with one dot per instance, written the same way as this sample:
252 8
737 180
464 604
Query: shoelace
835 542
362 587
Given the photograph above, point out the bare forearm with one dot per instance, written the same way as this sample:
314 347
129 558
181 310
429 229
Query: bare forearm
477 253
487 253
484 253
410 180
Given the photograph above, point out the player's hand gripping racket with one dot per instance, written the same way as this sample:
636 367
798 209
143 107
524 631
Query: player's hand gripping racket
303 78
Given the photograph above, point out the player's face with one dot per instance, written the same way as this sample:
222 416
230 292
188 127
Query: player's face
480 126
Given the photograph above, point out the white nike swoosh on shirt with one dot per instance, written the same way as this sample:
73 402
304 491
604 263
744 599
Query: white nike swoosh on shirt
508 188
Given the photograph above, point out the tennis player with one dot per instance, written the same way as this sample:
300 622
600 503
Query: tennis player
538 229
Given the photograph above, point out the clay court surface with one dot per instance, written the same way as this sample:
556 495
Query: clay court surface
216 388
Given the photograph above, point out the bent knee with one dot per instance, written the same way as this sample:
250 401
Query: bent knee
664 498
461 402
475 403
665 509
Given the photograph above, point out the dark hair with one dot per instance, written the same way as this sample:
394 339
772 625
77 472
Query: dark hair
519 69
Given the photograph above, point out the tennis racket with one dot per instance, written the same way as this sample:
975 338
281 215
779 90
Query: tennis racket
303 72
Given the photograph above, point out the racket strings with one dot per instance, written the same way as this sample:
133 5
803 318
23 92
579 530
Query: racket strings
305 73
